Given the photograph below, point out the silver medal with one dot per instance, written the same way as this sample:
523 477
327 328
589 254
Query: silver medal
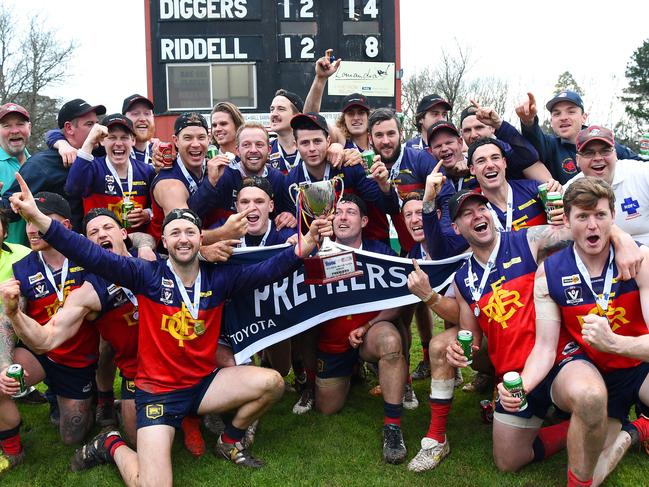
476 310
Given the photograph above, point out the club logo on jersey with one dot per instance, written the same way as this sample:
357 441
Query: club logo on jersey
129 385
570 280
167 292
570 348
274 156
112 289
110 185
40 290
36 277
520 223
131 317
573 295
616 316
569 166
154 411
515 260
502 304
182 327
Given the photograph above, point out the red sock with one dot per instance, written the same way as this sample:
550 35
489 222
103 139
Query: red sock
573 481
112 443
426 356
310 378
438 415
553 438
227 439
642 425
11 445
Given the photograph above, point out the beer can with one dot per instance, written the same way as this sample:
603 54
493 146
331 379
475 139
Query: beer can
212 152
16 372
127 207
486 411
166 149
552 202
465 339
368 157
514 384
543 192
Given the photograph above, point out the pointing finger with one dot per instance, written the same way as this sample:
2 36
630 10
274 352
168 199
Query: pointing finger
437 167
416 265
475 104
530 96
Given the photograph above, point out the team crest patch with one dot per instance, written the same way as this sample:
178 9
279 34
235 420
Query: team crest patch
40 290
130 385
571 280
573 295
167 296
36 277
154 411
110 184
569 166
274 156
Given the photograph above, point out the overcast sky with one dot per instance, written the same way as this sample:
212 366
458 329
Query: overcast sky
526 43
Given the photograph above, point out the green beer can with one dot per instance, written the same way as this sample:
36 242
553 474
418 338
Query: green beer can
543 192
368 157
552 202
465 339
127 207
514 384
212 152
16 372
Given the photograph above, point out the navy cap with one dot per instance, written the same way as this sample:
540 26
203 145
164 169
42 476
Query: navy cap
439 126
566 95
311 120
429 101
118 119
189 119
129 101
461 197
77 108
355 100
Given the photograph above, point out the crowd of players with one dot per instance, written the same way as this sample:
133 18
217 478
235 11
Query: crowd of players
111 259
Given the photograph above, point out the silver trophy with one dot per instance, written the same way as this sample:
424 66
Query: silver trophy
318 200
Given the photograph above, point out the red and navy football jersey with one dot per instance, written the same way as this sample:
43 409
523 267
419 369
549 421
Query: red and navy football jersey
82 349
528 209
117 323
507 315
175 350
280 160
93 181
333 335
569 290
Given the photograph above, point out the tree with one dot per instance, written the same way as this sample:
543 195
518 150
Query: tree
566 82
31 61
636 95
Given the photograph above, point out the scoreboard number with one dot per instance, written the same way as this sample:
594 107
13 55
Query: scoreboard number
303 9
369 9
297 48
371 47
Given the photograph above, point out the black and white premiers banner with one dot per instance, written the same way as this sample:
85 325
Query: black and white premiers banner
257 319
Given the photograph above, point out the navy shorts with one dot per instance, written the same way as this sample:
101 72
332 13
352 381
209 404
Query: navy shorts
623 388
169 408
336 364
128 388
69 382
540 399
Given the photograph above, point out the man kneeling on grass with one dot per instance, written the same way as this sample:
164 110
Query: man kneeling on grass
371 336
180 304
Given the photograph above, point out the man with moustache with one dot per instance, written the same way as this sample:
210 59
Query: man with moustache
284 155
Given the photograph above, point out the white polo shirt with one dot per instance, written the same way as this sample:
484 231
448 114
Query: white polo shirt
631 187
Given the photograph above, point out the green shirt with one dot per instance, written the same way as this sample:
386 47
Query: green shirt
9 166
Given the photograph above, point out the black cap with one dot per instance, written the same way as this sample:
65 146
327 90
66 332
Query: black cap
467 112
53 203
429 101
459 198
294 98
76 108
311 120
96 212
355 100
189 119
441 125
258 182
182 214
129 101
119 120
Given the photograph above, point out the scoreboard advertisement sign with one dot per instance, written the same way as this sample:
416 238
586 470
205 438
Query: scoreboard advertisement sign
201 52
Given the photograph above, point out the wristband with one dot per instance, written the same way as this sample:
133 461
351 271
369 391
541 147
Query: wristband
432 299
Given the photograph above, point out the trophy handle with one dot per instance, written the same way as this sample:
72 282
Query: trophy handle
291 188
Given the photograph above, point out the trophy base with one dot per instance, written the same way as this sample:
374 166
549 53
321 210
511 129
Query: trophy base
323 269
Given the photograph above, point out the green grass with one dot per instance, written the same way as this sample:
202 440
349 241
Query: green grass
313 450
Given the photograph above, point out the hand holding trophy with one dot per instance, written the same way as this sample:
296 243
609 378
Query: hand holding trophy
331 263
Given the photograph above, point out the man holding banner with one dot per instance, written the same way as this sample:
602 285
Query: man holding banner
371 336
180 312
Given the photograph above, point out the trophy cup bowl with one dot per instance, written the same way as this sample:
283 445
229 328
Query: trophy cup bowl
331 263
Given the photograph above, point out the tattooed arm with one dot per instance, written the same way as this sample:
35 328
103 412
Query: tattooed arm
8 337
546 239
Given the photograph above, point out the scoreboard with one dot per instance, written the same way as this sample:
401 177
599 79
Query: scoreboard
200 52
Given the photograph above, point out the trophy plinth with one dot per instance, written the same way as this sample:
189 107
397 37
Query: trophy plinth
331 263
